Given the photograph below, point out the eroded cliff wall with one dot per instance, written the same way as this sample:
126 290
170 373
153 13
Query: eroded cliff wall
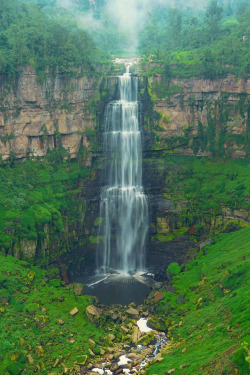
57 112
198 116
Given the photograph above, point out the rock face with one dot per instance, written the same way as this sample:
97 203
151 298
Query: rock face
189 108
37 116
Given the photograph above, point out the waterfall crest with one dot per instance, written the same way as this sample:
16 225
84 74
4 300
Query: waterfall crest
124 206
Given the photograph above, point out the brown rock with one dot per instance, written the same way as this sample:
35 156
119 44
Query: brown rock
30 359
133 312
135 334
91 343
158 296
74 311
171 371
78 289
93 311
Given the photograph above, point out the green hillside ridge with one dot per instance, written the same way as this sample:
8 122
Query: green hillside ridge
207 317
35 321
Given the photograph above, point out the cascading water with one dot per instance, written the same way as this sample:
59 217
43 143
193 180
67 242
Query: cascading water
124 206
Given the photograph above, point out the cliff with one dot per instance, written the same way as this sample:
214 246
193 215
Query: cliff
198 116
57 112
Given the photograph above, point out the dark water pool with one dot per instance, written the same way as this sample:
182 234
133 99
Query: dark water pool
119 289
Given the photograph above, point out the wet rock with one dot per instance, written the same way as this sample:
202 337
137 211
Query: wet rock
93 312
132 311
146 339
156 323
157 286
135 334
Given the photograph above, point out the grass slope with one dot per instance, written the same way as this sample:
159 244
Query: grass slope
31 304
207 316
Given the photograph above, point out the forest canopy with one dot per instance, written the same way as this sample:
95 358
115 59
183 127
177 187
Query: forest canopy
30 37
210 41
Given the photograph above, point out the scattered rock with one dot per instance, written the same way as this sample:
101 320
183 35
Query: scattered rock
133 312
74 311
158 296
135 334
146 339
91 353
81 360
30 359
60 322
157 286
93 311
39 351
78 289
124 329
91 343
171 371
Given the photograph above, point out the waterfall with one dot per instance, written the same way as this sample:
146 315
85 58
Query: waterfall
124 206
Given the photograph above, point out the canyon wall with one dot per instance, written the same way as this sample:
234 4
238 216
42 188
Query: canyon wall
198 116
35 116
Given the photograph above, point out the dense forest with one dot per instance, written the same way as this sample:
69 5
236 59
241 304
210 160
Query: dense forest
185 43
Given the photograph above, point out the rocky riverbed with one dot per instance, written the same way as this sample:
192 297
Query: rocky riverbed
138 341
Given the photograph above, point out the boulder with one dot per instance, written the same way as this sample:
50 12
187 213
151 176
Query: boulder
146 339
93 312
78 289
74 311
91 343
133 312
158 296
135 334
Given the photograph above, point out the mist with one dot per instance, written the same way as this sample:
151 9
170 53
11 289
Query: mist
129 16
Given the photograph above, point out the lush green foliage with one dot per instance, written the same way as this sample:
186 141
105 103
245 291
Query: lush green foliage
184 44
36 193
207 317
29 37
202 188
31 304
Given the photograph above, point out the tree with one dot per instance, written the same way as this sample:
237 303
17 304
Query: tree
213 16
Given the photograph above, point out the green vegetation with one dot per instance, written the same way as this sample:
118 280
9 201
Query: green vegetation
206 318
39 193
30 37
186 44
37 332
202 190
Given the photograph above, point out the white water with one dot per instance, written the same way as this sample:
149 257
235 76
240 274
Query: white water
124 206
142 324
